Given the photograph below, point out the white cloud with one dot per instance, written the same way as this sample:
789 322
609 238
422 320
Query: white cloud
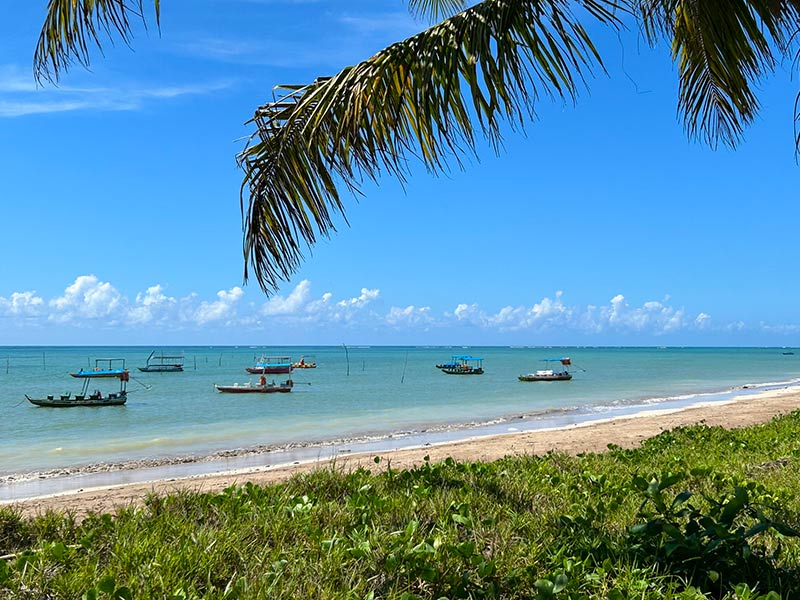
21 304
20 96
294 303
365 298
222 309
410 316
89 302
88 298
152 305
652 317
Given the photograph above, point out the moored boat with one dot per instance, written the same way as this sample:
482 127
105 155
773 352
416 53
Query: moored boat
466 365
94 399
84 398
455 361
163 363
260 388
550 374
103 367
306 362
271 365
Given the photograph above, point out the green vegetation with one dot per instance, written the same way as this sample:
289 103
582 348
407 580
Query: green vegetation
697 512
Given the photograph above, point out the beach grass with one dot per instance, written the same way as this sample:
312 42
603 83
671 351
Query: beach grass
695 512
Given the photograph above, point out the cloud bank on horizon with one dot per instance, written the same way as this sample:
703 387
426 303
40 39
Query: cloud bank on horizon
89 304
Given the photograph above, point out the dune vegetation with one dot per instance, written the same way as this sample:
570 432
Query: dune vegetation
696 512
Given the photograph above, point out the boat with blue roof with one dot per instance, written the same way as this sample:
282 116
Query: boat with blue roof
463 365
104 367
271 364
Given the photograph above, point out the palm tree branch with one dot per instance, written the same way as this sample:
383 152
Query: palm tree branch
426 97
71 25
722 48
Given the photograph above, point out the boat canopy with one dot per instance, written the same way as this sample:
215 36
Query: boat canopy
565 360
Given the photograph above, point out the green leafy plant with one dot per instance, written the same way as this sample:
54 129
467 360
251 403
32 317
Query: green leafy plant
709 546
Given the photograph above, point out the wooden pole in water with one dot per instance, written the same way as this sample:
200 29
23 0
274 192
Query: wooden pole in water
347 357
403 378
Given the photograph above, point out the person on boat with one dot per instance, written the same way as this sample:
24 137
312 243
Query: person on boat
262 381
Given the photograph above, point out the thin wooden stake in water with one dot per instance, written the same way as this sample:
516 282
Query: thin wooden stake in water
403 378
347 357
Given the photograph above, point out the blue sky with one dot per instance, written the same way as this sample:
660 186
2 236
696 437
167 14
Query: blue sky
602 224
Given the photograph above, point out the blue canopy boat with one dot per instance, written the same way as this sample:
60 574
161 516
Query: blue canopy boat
464 365
85 398
271 364
104 367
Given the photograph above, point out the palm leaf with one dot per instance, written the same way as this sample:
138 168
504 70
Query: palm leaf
426 97
722 49
436 9
71 25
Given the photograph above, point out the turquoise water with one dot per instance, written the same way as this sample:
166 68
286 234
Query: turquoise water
387 390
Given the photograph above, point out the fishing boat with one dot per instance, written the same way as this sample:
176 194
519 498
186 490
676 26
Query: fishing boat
271 364
95 398
306 362
466 365
455 361
558 374
103 367
260 388
163 363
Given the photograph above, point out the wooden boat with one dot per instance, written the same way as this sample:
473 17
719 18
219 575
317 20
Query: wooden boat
163 363
455 361
467 365
96 398
261 388
104 367
550 374
271 364
305 362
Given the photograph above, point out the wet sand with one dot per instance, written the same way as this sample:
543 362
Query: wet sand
626 431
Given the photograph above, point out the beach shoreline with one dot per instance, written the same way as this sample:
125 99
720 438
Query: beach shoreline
591 435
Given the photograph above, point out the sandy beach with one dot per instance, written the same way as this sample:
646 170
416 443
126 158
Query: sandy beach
595 436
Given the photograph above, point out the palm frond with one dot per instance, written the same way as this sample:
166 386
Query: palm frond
435 9
423 97
72 25
722 49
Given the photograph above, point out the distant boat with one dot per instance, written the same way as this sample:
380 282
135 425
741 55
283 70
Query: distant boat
306 362
466 365
271 364
454 362
550 374
250 388
104 367
95 398
163 363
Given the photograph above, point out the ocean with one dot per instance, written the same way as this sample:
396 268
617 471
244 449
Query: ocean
355 394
